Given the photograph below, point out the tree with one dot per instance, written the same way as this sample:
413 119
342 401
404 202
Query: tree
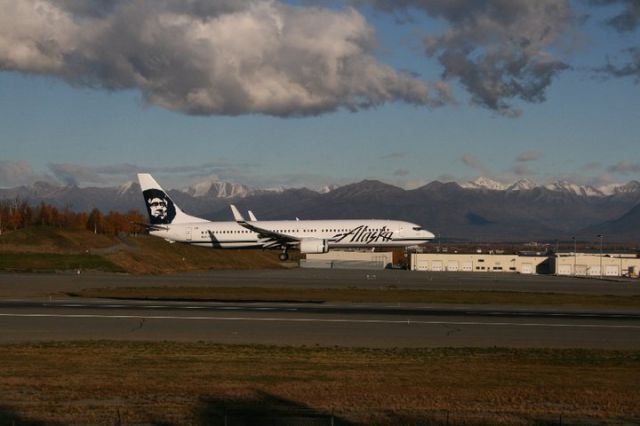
95 221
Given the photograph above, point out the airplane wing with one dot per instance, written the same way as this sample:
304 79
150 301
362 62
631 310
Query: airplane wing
267 238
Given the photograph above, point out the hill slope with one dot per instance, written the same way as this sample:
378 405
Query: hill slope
625 228
42 247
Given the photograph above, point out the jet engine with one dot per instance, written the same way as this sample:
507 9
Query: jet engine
313 245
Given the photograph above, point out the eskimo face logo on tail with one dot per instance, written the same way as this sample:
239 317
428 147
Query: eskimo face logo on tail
160 208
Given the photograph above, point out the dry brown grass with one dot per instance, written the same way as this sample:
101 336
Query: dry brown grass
154 255
44 239
139 254
171 383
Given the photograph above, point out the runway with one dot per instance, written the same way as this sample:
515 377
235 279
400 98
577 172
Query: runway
14 285
355 325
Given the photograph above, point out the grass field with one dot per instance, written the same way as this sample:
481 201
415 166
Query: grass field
45 262
354 295
170 383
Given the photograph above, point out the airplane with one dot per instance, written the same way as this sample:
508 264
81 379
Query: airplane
168 221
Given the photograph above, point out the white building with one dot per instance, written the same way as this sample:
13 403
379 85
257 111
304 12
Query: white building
336 259
480 263
588 264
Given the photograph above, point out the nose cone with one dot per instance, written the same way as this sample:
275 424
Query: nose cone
429 235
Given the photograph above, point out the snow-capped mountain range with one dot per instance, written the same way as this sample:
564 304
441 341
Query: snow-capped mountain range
481 209
485 183
213 188
219 189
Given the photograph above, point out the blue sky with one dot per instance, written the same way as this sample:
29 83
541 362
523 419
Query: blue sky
73 124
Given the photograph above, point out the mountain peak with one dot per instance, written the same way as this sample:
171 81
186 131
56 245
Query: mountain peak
327 188
522 185
372 185
626 188
128 186
484 182
573 188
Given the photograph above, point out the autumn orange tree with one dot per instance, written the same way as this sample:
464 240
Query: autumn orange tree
17 214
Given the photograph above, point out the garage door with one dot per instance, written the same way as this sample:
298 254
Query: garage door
452 265
527 268
593 271
467 266
581 269
422 265
436 265
564 269
611 271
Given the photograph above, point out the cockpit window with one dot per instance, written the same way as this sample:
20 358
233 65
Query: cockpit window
417 228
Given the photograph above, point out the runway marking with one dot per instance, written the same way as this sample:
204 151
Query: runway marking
323 320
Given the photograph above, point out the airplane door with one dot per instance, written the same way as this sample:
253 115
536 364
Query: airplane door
188 233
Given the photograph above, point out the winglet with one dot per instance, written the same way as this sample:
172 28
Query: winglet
252 217
236 214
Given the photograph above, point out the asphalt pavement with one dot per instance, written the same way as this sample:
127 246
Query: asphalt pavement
35 307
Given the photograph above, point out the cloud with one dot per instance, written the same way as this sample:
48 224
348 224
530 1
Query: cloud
394 156
14 173
446 177
629 69
594 165
624 168
628 19
522 170
474 162
499 50
74 174
529 156
179 176
204 58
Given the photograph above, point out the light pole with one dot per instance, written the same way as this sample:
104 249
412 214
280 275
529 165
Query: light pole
601 236
575 254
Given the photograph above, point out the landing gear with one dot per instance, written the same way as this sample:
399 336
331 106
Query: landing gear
284 256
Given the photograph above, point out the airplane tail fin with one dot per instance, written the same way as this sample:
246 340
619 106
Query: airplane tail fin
160 208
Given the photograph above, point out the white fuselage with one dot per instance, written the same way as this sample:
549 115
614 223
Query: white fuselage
337 233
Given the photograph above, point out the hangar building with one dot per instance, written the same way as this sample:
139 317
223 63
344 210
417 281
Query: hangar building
566 264
336 259
589 264
480 263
